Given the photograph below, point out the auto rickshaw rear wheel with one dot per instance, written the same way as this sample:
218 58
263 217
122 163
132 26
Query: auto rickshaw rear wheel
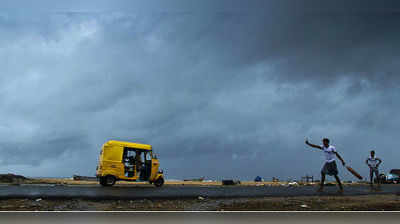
102 181
108 180
159 182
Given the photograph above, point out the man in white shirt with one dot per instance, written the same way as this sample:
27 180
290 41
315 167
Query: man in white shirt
373 164
329 167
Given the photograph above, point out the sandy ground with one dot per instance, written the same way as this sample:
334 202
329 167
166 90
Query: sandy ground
67 181
313 203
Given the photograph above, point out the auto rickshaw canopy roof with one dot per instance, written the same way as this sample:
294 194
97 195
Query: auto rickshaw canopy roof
128 144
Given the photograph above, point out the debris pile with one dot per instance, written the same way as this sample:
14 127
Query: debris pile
77 177
195 179
12 178
230 182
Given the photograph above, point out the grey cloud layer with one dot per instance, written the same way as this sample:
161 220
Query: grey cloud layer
219 94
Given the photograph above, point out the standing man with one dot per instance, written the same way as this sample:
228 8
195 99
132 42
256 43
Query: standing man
329 167
373 164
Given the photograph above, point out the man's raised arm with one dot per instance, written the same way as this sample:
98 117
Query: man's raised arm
312 145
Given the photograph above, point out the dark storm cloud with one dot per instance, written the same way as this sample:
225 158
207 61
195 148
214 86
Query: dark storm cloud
219 92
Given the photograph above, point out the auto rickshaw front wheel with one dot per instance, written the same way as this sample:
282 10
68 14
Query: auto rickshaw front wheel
108 180
159 182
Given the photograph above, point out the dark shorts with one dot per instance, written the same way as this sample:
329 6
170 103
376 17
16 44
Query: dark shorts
330 169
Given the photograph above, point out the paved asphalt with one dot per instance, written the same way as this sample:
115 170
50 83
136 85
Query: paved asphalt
176 192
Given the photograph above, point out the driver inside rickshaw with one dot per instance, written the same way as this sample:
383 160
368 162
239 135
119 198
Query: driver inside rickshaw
129 166
138 161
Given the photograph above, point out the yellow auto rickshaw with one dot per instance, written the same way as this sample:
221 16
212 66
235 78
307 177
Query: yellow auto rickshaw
128 161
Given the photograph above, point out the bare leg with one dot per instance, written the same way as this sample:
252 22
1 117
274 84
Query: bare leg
371 177
377 178
339 183
321 186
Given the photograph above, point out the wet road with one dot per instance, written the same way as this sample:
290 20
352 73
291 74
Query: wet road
174 192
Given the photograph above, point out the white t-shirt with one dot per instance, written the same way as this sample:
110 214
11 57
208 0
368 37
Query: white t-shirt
373 162
329 153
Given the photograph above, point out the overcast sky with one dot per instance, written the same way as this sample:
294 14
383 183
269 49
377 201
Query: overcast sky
221 90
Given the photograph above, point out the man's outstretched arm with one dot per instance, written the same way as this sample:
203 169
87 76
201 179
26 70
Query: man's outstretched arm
312 145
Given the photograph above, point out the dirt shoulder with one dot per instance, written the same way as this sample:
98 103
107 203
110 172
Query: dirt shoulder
68 181
312 203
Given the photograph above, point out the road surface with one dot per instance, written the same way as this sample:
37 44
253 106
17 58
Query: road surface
176 192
